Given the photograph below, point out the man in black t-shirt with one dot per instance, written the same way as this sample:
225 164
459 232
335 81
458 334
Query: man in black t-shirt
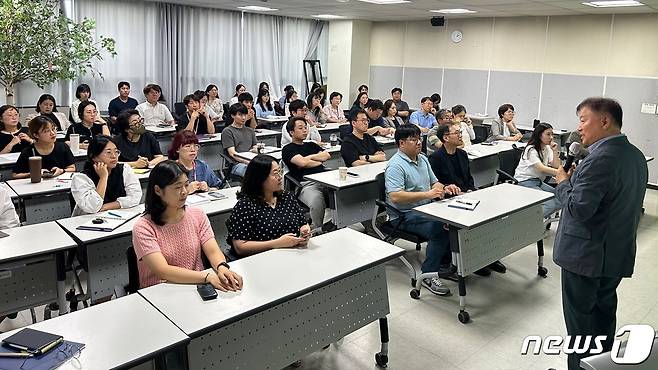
122 102
195 119
359 148
306 158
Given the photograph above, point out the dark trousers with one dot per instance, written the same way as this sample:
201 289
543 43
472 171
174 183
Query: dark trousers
590 307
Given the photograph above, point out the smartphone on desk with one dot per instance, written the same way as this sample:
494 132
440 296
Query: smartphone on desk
206 291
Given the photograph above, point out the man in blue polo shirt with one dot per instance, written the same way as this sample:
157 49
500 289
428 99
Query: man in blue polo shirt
410 182
423 117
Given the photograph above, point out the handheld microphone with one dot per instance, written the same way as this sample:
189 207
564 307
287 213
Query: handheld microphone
574 150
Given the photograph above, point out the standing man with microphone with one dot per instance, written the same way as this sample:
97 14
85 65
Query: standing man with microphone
596 241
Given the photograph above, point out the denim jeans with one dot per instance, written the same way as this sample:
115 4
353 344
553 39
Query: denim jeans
550 206
438 244
239 169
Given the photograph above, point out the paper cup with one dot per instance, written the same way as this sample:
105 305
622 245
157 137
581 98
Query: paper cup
74 142
342 173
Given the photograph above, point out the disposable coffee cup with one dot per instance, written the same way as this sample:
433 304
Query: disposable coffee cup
35 169
260 147
342 173
333 139
74 142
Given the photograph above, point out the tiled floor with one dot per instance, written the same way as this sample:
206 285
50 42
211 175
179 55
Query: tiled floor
425 334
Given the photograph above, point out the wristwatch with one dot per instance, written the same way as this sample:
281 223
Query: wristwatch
367 158
223 263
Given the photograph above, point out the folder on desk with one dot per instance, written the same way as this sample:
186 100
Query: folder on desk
463 203
200 198
33 341
59 354
110 220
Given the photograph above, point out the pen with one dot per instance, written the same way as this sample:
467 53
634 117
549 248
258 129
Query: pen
353 174
16 354
462 202
114 214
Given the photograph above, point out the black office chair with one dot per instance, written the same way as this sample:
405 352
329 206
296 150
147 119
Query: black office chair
179 110
508 160
481 133
226 165
292 185
390 232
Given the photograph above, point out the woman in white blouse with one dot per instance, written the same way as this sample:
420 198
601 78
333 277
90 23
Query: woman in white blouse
82 93
104 183
214 101
239 89
333 111
459 116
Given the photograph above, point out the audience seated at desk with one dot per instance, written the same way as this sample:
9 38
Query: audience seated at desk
443 118
359 148
214 101
298 108
152 110
465 124
360 103
46 106
265 217
92 124
55 156
306 158
82 94
104 184
184 150
390 116
539 160
122 102
139 148
170 237
362 89
202 97
436 101
13 137
410 182
333 111
316 87
239 89
195 119
451 167
316 115
503 127
291 96
264 106
237 138
284 98
8 219
423 118
376 121
248 101
401 105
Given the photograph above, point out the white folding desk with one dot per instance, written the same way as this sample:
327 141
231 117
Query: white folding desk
604 362
44 201
218 212
164 135
8 160
269 150
508 218
273 121
32 266
330 128
294 301
121 333
353 198
484 159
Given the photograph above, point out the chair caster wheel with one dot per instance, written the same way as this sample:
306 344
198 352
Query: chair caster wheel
463 317
381 360
542 271
548 226
415 293
413 283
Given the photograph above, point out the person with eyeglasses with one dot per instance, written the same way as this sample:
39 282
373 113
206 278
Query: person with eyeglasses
265 216
104 184
299 108
139 148
359 147
410 182
91 124
184 150
503 127
423 118
56 157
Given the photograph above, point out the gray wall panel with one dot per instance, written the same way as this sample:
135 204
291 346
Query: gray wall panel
517 88
562 93
467 87
641 128
419 82
382 80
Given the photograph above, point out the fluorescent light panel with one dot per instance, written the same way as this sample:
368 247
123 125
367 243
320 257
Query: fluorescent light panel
613 4
257 8
453 11
386 2
328 16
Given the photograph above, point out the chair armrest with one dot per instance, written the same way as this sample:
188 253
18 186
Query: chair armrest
390 207
506 176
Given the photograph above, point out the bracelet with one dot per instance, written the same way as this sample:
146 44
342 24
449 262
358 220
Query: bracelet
205 279
223 263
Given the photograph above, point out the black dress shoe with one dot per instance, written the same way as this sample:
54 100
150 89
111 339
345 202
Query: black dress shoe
483 272
498 267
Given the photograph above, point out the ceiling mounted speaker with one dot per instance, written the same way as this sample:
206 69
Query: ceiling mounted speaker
437 21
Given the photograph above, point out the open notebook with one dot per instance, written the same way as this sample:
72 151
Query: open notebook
108 220
200 198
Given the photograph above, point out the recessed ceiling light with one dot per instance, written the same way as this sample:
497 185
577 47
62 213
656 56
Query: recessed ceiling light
613 4
257 8
453 11
328 16
386 2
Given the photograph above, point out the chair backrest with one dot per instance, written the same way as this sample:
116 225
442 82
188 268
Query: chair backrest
381 186
179 109
133 271
481 133
510 159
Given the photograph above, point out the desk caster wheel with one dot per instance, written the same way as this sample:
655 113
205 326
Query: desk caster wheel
542 271
415 293
463 317
413 283
381 360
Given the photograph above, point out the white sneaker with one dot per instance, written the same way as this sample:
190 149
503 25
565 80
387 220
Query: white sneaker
435 286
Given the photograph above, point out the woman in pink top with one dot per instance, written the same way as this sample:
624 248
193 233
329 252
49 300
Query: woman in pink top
169 237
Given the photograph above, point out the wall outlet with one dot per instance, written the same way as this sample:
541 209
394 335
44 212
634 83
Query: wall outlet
648 108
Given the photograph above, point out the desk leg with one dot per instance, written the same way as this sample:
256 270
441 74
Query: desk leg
381 358
61 282
541 270
463 315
